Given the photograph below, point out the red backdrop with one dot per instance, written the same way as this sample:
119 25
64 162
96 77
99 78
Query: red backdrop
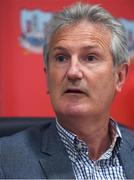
22 79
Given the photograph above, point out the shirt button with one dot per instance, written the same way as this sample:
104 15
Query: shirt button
97 167
79 146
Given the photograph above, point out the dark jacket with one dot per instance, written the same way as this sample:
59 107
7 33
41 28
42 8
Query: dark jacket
38 153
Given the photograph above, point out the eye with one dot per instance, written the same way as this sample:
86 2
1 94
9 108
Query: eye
60 58
91 58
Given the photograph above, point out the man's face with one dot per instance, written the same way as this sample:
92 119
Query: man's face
81 78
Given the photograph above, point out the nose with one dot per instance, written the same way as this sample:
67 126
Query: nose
74 71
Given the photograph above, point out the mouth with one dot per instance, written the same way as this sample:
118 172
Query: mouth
75 91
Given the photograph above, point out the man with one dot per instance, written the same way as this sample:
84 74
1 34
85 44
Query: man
86 65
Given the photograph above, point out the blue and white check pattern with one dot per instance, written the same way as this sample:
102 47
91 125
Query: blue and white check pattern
107 166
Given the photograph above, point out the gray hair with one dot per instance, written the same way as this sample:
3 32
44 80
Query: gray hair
94 14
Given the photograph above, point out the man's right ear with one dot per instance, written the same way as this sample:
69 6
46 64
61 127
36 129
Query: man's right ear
45 70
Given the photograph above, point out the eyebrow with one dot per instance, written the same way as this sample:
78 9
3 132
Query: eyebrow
59 48
90 47
83 48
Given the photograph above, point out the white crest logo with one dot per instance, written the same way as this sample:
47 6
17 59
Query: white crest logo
34 24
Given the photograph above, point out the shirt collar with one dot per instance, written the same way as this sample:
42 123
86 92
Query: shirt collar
68 139
74 145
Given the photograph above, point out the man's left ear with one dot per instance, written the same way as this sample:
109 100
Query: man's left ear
122 71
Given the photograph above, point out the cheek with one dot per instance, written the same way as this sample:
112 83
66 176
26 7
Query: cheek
103 81
54 73
54 82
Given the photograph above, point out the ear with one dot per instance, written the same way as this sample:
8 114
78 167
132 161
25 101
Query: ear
45 70
122 71
46 74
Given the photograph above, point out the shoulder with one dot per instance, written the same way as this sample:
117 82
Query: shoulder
29 138
127 134
20 153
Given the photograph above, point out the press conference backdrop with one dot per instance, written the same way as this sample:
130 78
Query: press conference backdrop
23 24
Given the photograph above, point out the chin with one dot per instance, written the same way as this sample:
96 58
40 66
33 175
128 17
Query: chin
73 111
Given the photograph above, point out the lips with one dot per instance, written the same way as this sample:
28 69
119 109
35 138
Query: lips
74 91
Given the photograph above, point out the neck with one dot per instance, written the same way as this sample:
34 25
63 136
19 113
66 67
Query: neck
93 131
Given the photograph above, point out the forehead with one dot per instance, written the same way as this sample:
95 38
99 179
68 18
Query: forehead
81 34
